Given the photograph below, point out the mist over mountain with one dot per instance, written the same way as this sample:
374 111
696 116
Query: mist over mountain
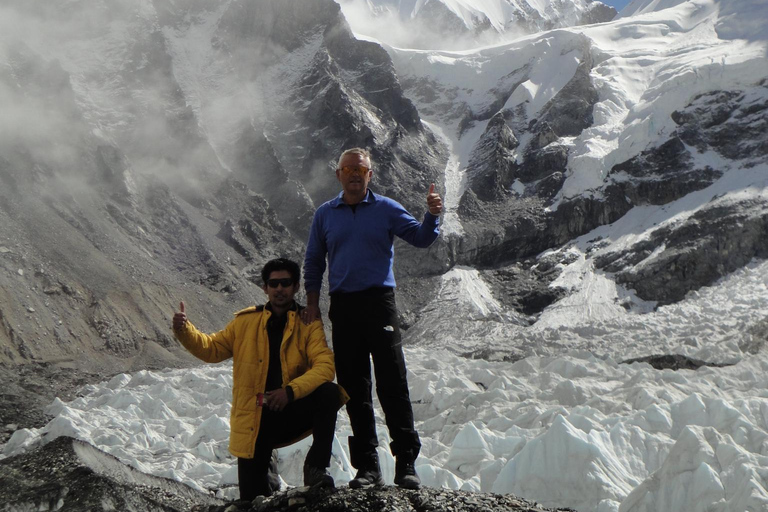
461 24
161 151
152 153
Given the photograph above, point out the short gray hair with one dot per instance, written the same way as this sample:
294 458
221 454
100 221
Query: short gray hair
355 151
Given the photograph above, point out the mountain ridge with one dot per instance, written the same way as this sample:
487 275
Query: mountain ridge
155 154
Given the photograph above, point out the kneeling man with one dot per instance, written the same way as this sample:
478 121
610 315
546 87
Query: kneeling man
282 387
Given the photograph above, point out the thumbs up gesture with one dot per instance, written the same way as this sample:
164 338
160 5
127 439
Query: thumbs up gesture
434 202
180 318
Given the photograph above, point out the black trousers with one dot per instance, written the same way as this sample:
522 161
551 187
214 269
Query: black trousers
365 326
316 411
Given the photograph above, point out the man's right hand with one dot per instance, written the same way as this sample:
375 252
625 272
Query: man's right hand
434 201
310 313
180 318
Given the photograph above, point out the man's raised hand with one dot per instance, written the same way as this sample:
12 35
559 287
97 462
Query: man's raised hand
179 318
434 202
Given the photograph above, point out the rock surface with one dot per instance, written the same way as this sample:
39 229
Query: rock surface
389 499
69 475
672 362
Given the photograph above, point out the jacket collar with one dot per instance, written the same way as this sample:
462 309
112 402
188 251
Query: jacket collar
338 201
294 307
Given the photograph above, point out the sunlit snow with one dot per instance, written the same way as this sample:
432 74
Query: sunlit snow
566 427
551 414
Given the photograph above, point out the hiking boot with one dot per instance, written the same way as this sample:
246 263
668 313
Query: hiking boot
317 477
273 475
405 475
367 477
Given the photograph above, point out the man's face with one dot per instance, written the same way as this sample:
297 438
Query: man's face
354 183
278 290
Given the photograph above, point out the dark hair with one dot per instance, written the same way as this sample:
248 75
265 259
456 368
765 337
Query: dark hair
281 264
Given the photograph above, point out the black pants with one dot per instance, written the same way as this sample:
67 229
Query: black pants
316 411
365 326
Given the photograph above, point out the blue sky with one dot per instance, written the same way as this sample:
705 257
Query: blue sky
618 4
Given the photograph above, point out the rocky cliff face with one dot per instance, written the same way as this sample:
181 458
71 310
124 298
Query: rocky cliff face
515 183
155 153
515 204
721 237
695 252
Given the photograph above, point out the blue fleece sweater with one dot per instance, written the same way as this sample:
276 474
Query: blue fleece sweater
359 242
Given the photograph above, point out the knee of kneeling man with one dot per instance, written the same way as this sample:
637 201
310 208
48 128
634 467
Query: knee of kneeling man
327 393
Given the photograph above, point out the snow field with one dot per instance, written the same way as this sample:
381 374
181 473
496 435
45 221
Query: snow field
566 427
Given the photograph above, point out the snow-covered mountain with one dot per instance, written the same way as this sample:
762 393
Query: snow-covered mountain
450 24
562 132
607 197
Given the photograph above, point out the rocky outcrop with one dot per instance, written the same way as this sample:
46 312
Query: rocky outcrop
70 475
570 111
256 165
252 228
713 242
672 362
583 214
662 174
350 96
598 12
732 123
516 192
390 499
444 21
492 166
525 286
720 236
566 115
517 231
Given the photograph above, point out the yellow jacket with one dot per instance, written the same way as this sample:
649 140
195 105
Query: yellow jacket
306 361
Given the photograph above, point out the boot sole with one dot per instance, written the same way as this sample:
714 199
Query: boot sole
327 482
354 484
408 485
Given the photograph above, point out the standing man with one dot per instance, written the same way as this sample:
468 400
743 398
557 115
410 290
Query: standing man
282 373
356 231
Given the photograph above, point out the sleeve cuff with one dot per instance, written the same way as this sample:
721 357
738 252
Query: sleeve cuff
289 392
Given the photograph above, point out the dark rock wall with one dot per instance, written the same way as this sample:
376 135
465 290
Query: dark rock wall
103 232
714 242
720 236
70 475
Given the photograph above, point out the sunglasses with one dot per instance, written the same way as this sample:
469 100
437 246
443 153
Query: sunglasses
285 283
355 169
